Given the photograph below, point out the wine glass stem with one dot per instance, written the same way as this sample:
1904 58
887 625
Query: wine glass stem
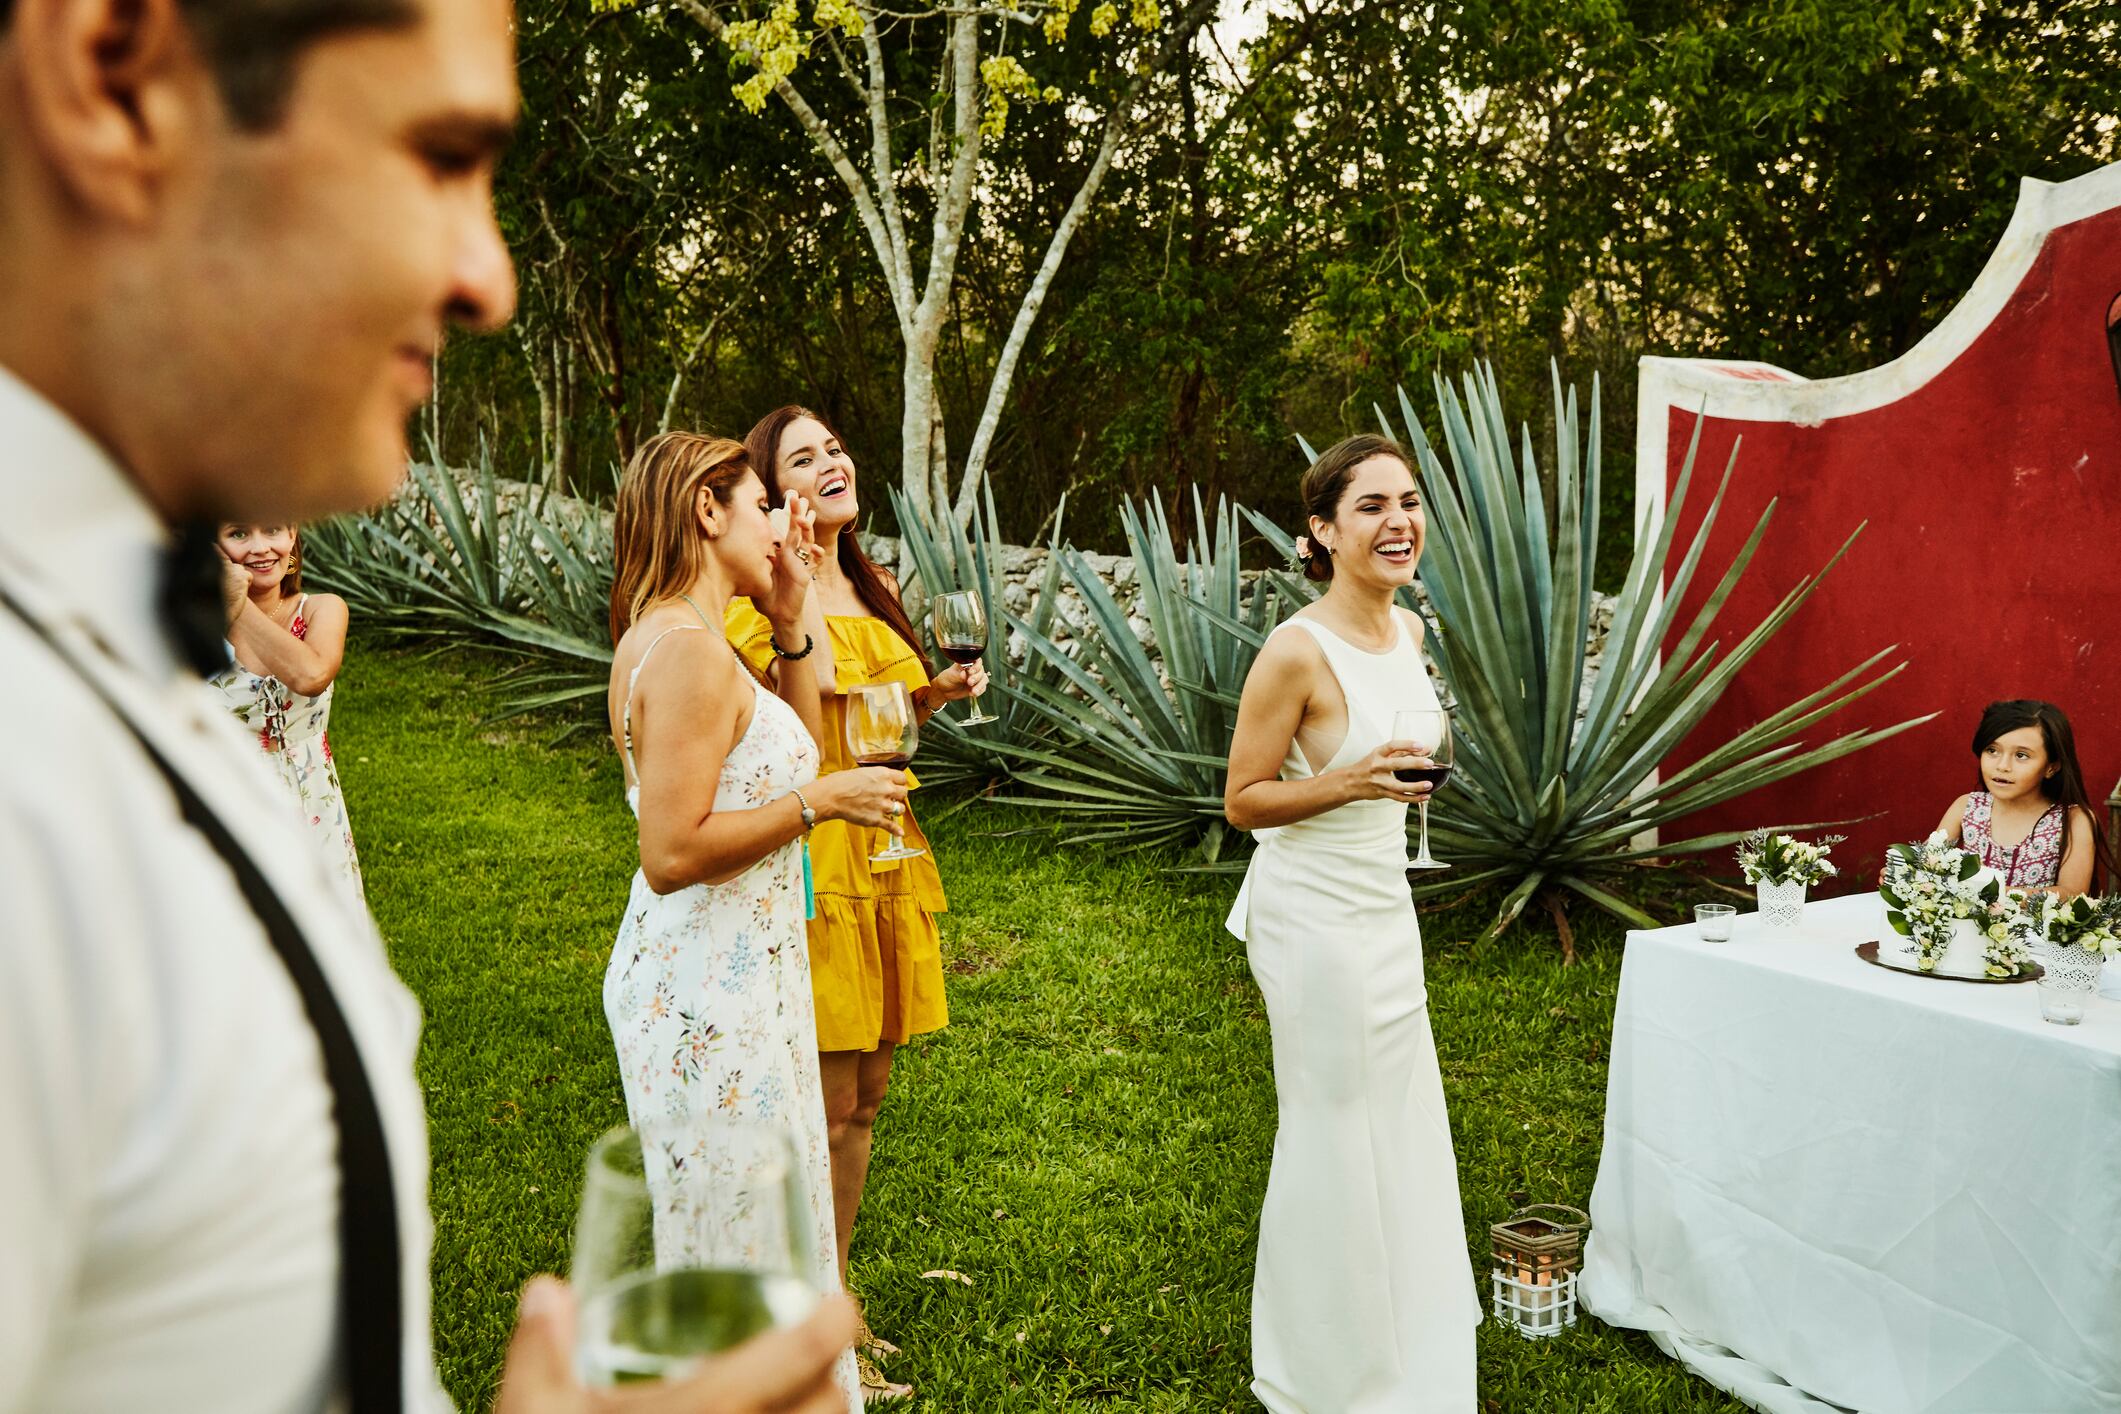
1423 806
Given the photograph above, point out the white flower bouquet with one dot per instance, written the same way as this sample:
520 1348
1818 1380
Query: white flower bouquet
1930 888
1769 858
2093 924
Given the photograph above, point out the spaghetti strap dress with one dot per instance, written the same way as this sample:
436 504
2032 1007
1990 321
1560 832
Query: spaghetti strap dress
708 989
290 728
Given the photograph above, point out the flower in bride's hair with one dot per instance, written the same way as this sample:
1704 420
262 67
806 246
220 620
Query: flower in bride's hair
1304 548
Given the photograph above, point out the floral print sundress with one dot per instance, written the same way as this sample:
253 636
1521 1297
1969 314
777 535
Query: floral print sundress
708 991
290 729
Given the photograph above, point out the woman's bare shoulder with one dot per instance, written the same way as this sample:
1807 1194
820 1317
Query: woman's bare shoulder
666 645
1286 651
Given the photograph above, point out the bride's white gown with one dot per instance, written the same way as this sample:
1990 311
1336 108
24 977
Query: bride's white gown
1363 1300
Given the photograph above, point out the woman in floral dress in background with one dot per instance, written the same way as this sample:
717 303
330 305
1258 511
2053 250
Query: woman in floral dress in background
287 648
708 991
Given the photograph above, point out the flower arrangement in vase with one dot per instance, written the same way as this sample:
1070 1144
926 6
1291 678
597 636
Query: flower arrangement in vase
2073 938
1780 868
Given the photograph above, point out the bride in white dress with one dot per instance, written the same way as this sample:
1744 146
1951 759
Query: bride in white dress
1363 1299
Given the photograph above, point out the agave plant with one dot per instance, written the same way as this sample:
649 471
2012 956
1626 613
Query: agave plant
522 570
947 558
1142 738
1548 800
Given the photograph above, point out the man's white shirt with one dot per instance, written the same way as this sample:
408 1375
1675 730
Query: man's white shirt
168 1177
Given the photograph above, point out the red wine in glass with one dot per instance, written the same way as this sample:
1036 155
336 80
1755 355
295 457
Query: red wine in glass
1432 776
882 730
960 622
1428 731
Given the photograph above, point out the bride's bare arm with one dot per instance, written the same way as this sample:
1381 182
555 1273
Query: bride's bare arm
1277 691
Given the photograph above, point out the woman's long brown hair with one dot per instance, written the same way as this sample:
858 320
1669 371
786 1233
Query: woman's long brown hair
763 442
657 547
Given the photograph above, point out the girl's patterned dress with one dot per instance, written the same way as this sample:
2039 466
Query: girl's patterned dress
708 991
290 730
2035 862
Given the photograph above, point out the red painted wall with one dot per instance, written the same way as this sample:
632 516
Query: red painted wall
1992 557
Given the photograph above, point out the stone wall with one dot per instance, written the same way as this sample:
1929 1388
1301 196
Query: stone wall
1023 567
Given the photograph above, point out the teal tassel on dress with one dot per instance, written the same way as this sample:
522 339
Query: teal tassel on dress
809 892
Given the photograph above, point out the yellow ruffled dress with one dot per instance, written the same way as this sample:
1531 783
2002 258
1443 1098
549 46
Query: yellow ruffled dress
876 961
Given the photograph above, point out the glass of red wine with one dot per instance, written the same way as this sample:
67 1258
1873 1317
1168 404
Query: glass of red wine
960 624
1430 730
882 730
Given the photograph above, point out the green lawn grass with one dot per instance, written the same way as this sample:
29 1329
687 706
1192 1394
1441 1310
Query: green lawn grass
1088 1141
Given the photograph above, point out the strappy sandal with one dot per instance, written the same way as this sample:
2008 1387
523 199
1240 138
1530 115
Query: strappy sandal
875 1388
868 1340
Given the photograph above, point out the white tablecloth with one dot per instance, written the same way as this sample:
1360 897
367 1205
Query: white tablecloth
1828 1185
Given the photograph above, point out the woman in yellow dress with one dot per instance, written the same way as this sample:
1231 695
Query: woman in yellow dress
876 964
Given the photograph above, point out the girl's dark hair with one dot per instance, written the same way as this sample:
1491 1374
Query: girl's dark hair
763 442
1326 481
2066 786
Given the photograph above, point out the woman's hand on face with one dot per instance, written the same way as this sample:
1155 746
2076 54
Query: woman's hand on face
1371 778
958 682
792 570
235 589
872 796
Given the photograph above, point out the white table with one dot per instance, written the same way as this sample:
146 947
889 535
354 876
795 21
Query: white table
1827 1185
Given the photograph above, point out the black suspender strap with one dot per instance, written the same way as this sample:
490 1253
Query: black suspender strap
370 1298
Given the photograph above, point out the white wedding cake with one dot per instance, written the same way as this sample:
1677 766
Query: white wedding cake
1966 955
1947 913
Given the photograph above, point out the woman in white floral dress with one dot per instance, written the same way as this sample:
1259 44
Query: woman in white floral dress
708 991
287 647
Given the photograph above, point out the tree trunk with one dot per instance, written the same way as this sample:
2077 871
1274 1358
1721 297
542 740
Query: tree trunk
917 433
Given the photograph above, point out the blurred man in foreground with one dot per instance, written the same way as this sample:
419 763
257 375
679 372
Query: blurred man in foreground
232 236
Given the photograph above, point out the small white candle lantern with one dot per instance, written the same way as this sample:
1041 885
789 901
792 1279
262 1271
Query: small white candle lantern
1537 1253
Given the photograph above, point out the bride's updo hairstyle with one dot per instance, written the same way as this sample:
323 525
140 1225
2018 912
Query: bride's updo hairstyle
658 549
1327 481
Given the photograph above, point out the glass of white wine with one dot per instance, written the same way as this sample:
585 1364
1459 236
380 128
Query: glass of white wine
694 1235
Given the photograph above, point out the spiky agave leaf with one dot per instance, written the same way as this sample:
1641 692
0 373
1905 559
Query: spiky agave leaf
946 557
1541 799
444 561
1142 737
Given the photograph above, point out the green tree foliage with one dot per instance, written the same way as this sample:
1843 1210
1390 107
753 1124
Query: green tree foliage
1358 196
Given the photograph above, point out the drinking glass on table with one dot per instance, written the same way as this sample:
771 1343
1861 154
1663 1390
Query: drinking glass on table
960 624
694 1235
882 730
1429 729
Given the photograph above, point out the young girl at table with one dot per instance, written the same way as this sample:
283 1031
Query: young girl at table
2032 818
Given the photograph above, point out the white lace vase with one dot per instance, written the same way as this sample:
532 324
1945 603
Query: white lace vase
2070 975
1781 906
